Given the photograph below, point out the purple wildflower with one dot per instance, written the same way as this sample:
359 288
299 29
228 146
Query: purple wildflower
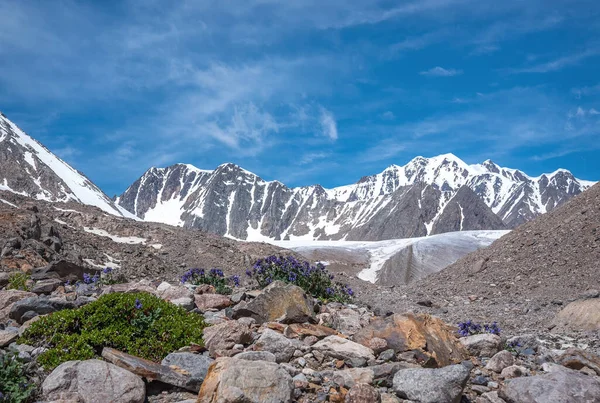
138 304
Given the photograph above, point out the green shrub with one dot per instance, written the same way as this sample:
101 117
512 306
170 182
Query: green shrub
15 386
18 281
139 323
315 280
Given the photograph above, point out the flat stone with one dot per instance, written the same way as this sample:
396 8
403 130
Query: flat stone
7 337
514 371
93 381
195 364
432 385
8 298
309 329
46 286
230 380
560 385
41 305
343 349
346 321
61 270
279 302
482 345
431 336
489 397
211 301
151 370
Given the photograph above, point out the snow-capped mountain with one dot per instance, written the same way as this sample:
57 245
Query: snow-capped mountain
30 169
426 196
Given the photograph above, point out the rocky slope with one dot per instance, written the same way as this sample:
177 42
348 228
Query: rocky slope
34 233
30 169
426 196
522 279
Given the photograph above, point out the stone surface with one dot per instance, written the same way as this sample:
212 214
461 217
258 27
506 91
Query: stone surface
257 356
61 270
41 305
224 336
560 385
276 343
576 358
346 321
151 370
195 364
46 286
8 298
230 380
7 337
581 315
435 385
363 393
309 329
351 376
482 345
343 349
422 332
279 302
489 397
513 371
211 301
500 361
93 381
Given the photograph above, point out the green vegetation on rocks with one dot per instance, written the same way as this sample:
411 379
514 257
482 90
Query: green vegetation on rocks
138 323
15 386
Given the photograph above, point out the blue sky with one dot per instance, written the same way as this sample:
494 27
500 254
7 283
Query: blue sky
302 91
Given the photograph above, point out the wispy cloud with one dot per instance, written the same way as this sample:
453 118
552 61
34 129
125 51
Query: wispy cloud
328 124
441 72
558 64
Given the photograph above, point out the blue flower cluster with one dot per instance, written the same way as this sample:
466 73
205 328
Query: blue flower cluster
315 280
214 277
87 279
469 328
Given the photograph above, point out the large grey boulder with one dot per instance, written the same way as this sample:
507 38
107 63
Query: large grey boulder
195 364
560 385
500 360
42 305
276 343
222 337
93 381
230 380
435 385
279 302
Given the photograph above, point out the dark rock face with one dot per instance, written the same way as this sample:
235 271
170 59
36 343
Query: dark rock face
427 196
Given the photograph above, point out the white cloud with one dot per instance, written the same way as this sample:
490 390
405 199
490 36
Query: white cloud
594 112
388 115
441 72
558 64
328 124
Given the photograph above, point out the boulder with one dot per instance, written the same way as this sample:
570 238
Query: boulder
8 336
576 358
27 308
432 385
514 371
205 302
93 381
8 298
195 364
489 397
223 336
61 270
363 393
351 376
354 353
346 321
482 345
230 380
151 370
500 361
279 302
46 286
276 343
422 332
140 286
580 315
560 385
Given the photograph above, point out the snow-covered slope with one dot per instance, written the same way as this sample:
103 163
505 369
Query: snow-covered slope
424 197
30 169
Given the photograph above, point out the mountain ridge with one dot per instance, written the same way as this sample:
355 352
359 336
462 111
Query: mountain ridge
336 213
